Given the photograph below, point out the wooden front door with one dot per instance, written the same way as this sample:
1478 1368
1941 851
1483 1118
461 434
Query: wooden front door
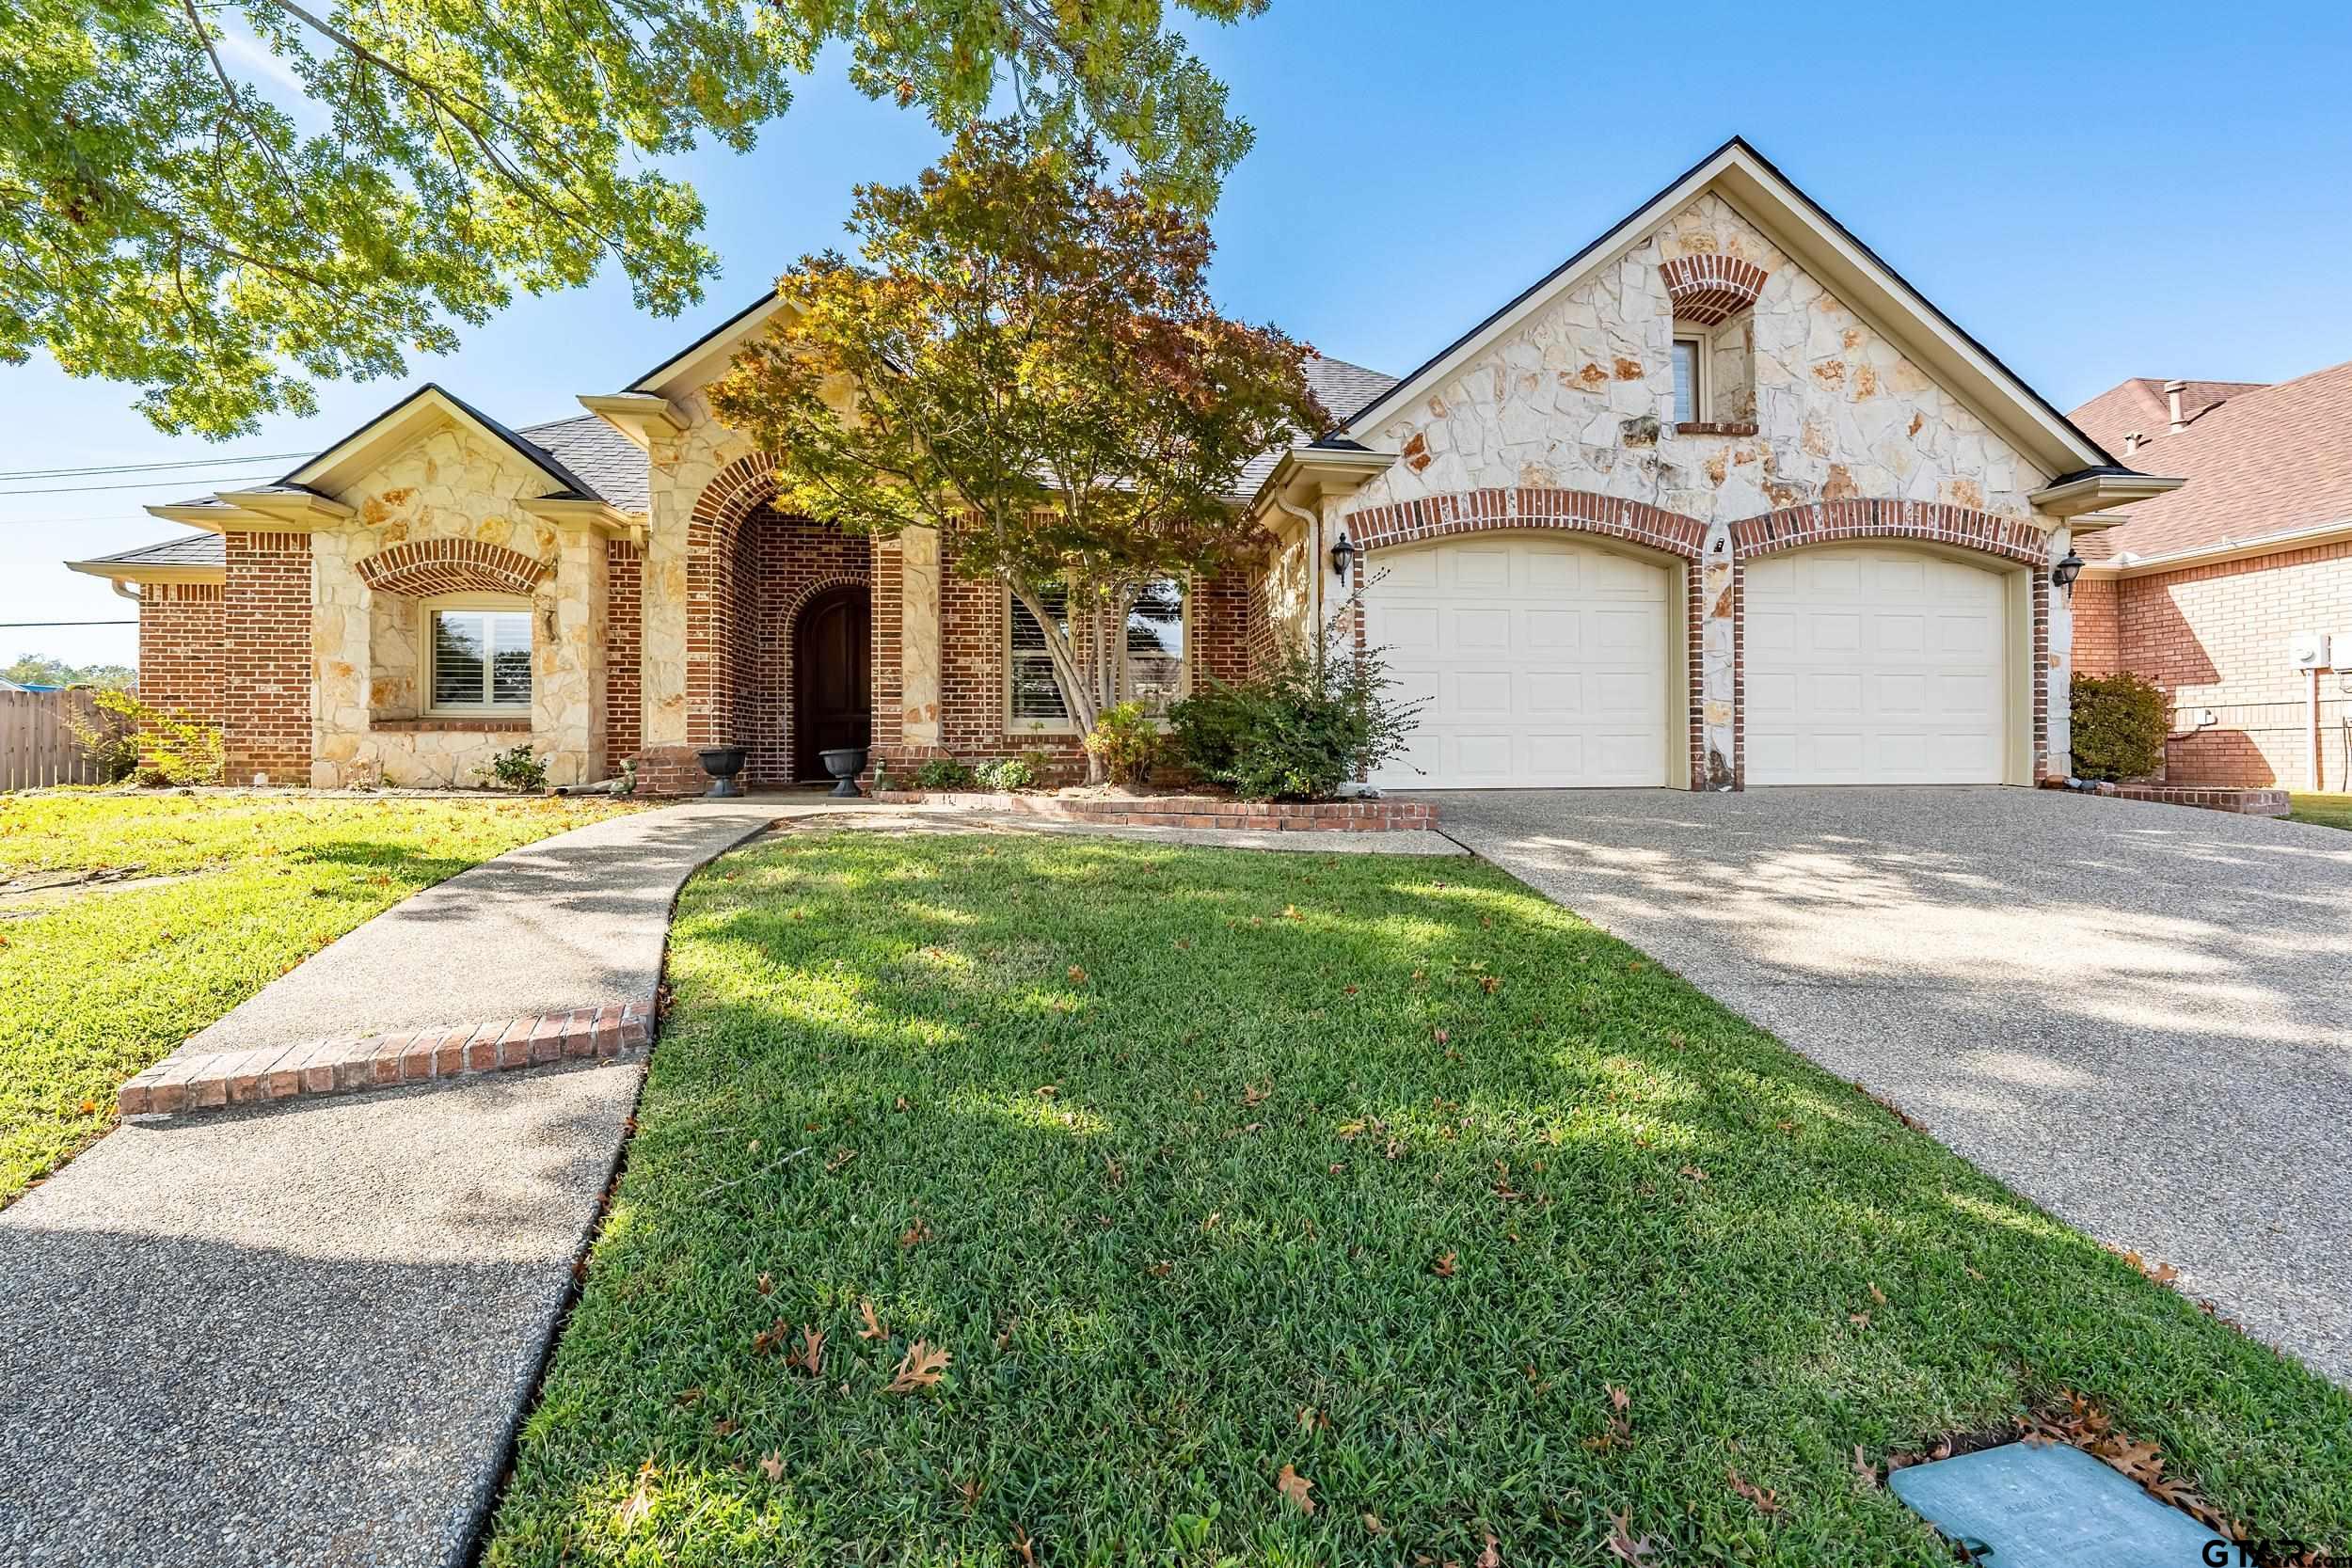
832 690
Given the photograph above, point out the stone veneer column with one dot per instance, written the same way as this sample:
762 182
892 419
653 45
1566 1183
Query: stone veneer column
567 689
662 589
919 637
2057 673
1719 662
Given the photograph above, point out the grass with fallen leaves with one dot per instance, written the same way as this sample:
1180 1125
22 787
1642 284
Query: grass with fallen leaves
1017 1199
99 978
2328 811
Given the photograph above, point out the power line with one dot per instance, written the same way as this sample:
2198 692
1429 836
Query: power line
134 485
13 625
148 467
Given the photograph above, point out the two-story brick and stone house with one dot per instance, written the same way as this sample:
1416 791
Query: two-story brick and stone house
1721 500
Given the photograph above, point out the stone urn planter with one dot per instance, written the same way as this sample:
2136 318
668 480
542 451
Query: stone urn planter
723 762
845 765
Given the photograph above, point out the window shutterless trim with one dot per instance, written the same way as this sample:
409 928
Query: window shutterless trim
429 611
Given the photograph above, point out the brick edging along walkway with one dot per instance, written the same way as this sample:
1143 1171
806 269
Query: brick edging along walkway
1188 811
344 1063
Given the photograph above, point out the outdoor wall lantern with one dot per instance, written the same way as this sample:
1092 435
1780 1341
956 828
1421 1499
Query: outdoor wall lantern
1343 554
2062 576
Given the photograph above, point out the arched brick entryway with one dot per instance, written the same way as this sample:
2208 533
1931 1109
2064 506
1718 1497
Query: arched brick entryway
748 570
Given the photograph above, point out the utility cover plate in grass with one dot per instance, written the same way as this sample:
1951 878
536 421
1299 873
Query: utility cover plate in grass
2045 1505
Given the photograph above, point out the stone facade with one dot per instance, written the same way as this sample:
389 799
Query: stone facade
1817 428
1581 397
446 515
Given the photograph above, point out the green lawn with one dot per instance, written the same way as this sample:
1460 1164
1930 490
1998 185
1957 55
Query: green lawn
2328 811
1201 1164
97 988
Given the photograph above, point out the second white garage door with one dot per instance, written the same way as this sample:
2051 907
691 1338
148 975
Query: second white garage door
1540 662
1875 666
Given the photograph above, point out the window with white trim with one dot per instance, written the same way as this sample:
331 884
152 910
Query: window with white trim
1157 671
1031 698
1690 362
478 658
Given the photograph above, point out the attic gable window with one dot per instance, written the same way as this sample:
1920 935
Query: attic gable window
1690 361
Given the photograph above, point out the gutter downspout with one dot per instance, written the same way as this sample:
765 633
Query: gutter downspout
1314 568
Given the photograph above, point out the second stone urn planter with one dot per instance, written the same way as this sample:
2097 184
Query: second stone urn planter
844 763
723 762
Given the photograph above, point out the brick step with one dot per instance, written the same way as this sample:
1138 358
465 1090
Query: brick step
347 1064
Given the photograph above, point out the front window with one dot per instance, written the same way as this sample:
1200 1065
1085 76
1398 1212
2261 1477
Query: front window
1690 358
1153 674
481 660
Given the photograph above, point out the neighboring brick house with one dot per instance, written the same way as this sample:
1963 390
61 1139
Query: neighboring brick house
1721 500
2220 593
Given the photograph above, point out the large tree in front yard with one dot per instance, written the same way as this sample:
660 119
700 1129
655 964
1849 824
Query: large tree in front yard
217 200
1026 358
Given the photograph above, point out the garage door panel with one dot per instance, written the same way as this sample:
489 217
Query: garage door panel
1875 665
1543 662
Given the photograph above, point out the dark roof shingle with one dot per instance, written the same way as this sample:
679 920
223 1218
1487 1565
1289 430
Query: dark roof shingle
192 549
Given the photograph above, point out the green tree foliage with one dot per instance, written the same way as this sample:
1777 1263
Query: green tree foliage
2119 726
221 200
1028 359
41 669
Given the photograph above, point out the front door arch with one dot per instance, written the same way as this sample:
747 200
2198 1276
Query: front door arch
833 687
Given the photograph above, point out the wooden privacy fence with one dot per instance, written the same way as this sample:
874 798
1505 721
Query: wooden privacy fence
36 747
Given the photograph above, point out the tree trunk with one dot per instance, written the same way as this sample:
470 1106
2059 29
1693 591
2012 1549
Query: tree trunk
1076 683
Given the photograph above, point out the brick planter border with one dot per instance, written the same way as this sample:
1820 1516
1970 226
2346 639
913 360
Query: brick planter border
346 1064
2238 802
1190 811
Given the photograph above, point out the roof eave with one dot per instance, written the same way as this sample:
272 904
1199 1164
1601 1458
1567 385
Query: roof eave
343 463
697 363
125 571
1310 472
2071 495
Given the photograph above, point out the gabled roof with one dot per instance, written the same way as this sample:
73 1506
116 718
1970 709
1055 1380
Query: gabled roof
1805 232
1337 385
2271 465
2142 404
699 360
192 556
349 459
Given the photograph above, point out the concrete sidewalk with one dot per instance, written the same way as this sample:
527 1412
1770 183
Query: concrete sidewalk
304 1333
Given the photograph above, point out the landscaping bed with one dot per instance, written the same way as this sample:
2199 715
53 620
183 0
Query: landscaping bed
1042 1200
157 913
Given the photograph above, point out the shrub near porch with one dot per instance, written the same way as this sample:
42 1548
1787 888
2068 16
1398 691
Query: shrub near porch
1230 1184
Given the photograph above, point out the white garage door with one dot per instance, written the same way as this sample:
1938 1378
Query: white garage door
1875 666
1540 661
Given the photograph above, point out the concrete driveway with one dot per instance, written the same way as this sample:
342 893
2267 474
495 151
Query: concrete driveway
2140 1016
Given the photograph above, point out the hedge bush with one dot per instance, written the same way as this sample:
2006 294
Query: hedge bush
1298 731
2119 726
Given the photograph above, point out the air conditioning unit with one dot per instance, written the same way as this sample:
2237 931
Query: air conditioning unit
2309 650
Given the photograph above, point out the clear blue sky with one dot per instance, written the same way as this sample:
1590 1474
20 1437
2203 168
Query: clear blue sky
2093 191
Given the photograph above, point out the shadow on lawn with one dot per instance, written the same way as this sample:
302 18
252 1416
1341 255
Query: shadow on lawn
1389 1172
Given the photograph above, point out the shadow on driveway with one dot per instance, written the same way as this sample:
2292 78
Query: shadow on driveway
2140 1016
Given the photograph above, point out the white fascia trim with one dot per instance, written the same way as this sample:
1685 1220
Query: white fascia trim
2130 565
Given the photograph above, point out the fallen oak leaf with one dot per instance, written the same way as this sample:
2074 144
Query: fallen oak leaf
1443 1267
1490 1558
873 1330
811 1355
1021 1544
919 1369
1622 1545
1295 1487
772 1466
917 1232
639 1503
1765 1502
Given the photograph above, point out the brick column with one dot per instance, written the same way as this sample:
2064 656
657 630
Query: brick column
180 648
265 658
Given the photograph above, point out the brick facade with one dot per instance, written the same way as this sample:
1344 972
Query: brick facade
180 648
265 658
623 650
2217 637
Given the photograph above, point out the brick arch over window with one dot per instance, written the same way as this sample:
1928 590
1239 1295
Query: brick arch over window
417 567
2011 540
1461 512
1711 288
